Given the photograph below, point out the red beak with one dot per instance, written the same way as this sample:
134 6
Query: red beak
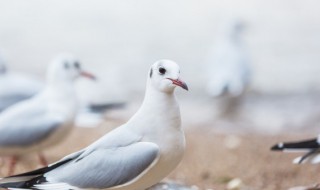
180 83
88 75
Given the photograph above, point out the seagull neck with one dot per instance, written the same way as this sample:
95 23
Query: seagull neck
61 97
160 106
154 97
159 113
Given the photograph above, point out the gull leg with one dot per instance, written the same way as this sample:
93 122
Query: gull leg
42 159
12 164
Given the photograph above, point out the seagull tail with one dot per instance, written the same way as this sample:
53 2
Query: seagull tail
301 145
20 182
29 179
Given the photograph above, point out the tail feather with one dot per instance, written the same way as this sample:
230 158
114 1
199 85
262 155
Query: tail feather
29 179
301 145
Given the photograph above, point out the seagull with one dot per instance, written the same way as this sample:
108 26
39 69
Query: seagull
228 69
16 87
134 156
47 118
311 146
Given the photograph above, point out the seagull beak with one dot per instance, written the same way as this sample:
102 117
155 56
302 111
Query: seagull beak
88 75
180 83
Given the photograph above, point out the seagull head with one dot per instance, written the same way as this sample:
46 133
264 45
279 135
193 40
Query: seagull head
67 68
164 75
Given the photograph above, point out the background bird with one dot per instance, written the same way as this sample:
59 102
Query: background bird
47 118
310 146
228 67
134 156
16 87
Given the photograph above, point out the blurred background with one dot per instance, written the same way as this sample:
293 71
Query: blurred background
119 40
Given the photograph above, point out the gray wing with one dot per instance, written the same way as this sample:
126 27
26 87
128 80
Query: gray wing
27 132
15 88
7 101
104 168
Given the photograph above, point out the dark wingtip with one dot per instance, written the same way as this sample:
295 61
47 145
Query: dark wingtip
277 147
100 108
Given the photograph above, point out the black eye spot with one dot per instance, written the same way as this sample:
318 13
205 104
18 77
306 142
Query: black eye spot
150 72
162 70
66 65
77 65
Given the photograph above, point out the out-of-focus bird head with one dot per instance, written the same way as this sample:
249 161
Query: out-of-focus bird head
235 29
164 75
66 68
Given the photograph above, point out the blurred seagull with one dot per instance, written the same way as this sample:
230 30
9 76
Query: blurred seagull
133 156
47 118
311 146
228 67
229 71
16 87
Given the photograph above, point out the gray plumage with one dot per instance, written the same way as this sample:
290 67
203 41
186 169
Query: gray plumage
103 168
108 162
27 130
9 100
16 87
116 160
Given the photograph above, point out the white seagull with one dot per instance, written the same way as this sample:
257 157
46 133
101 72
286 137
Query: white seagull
134 156
16 87
310 146
44 120
228 70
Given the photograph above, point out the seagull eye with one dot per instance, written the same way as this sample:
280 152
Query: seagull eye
162 70
77 65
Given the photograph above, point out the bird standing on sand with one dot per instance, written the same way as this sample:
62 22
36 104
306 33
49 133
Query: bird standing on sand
311 146
228 68
44 120
134 156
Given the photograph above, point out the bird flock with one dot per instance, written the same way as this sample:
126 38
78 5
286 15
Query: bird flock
134 156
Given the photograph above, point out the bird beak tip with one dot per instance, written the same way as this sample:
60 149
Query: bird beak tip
88 75
180 83
185 87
